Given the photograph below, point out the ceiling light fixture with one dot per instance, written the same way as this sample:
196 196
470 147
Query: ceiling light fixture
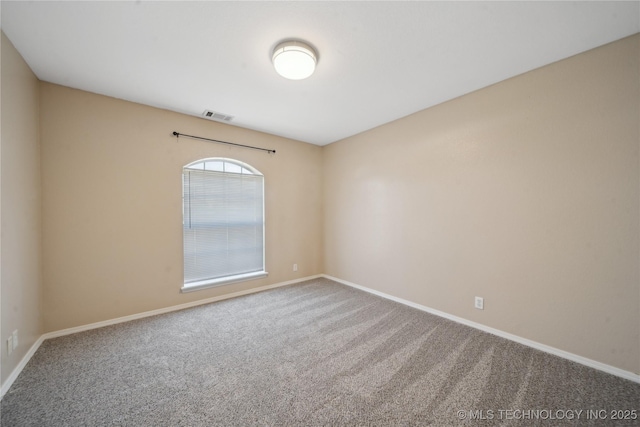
294 60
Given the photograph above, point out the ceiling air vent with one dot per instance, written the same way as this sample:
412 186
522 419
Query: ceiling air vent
212 115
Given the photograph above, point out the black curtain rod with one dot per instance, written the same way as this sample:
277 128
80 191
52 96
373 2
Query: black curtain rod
177 134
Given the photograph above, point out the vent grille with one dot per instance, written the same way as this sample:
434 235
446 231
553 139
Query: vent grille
213 115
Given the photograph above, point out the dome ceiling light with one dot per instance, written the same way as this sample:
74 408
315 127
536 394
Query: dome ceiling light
294 60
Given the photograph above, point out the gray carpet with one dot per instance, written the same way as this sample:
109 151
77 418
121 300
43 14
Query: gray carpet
315 353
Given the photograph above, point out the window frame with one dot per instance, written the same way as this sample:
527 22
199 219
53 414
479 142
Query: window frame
234 278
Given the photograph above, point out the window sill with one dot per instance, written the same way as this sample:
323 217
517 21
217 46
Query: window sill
212 283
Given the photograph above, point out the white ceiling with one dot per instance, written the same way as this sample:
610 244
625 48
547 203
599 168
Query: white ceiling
378 61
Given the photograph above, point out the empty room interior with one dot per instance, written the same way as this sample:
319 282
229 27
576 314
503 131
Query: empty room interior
435 222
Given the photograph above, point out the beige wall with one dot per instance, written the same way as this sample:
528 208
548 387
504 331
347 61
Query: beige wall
525 193
113 210
21 209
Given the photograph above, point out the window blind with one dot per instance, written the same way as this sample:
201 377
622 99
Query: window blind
223 224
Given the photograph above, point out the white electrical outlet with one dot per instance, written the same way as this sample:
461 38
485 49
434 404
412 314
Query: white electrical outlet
14 336
10 345
479 303
295 267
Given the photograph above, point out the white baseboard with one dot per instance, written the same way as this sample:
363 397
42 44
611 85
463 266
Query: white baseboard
23 362
529 343
96 325
14 374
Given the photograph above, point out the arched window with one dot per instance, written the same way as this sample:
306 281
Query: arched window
223 223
